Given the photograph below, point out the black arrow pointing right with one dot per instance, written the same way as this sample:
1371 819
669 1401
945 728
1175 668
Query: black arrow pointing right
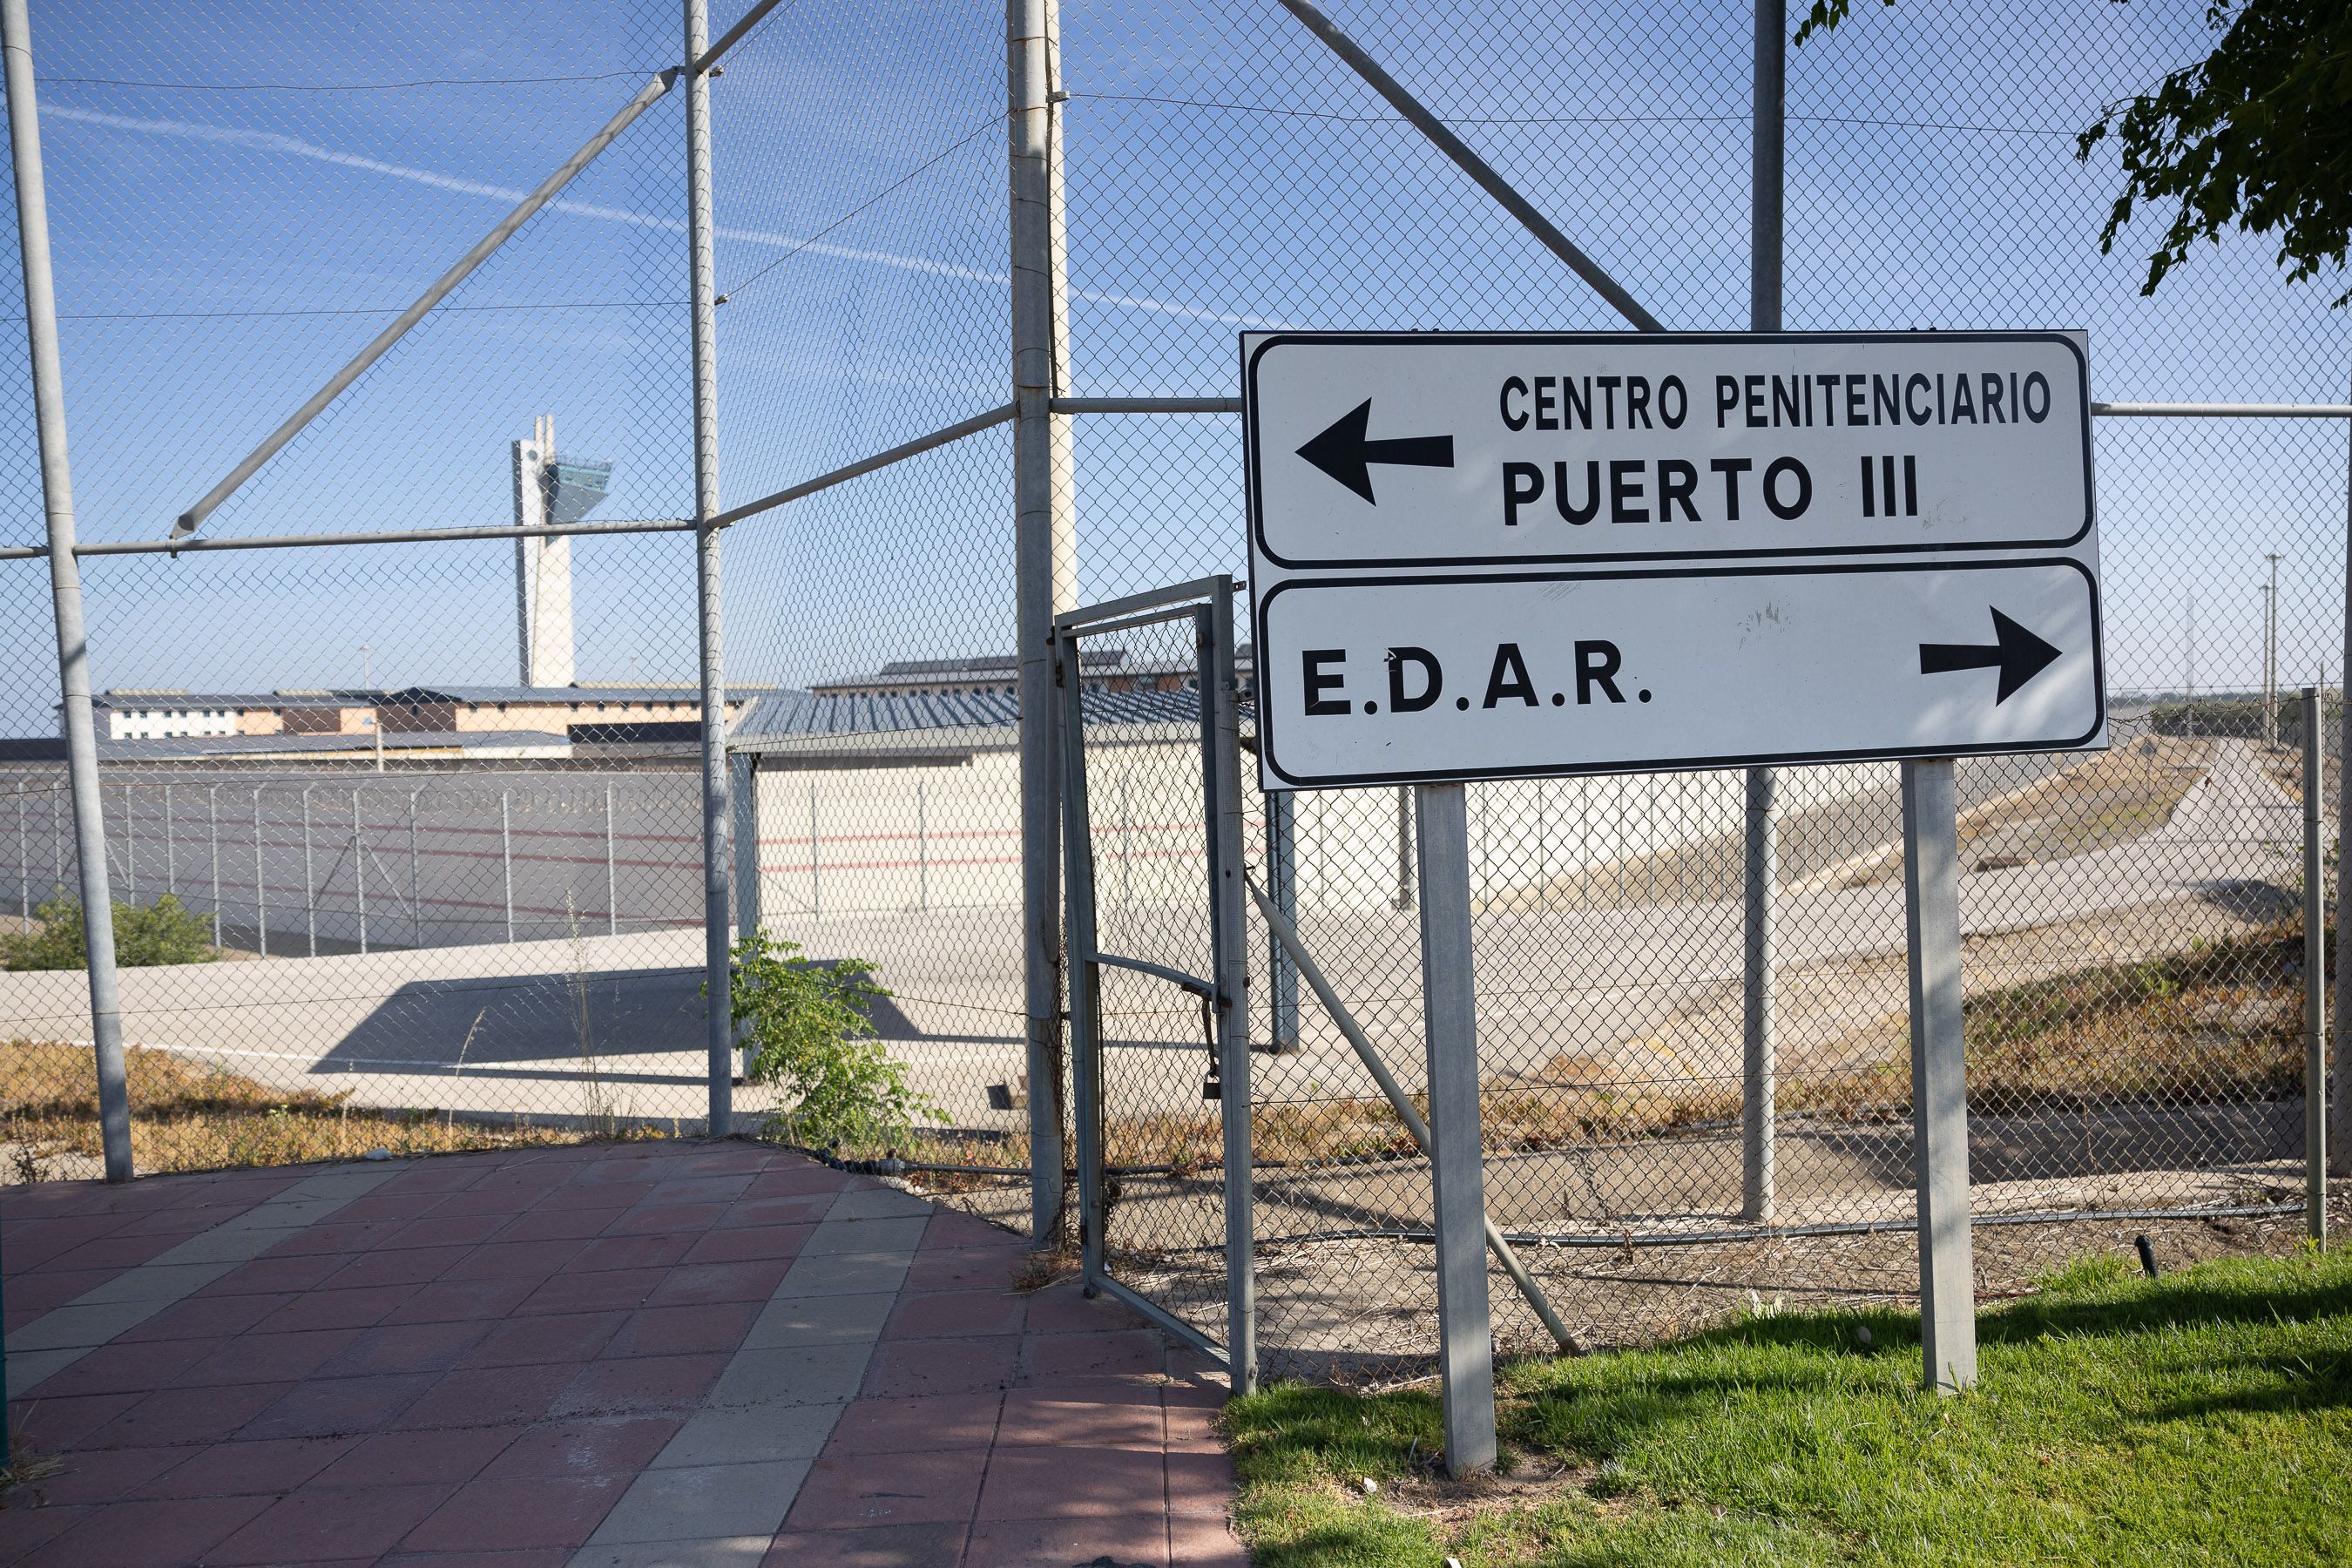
2017 654
1344 452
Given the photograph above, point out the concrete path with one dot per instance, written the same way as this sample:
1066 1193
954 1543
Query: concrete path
625 1356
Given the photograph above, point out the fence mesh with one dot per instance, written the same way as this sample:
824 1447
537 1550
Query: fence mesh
436 825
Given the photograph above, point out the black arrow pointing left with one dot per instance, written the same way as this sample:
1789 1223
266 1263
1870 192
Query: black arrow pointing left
2017 654
1345 452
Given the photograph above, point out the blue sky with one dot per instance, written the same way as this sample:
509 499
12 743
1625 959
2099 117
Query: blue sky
243 193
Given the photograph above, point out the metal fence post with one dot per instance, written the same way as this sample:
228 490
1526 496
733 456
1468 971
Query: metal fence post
1282 887
130 841
506 856
817 889
923 845
2340 1108
1761 860
65 588
24 865
170 855
1404 847
310 878
2315 980
1230 935
1043 558
415 879
1939 1103
260 887
611 872
212 826
358 870
718 851
1457 1148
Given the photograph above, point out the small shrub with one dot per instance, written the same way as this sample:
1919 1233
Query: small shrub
809 1028
144 934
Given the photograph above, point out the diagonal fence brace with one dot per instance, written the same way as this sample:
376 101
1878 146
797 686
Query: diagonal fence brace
1288 935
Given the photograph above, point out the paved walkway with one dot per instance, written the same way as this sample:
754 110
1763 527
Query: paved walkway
618 1355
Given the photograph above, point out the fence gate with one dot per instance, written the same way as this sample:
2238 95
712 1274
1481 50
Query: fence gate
1152 811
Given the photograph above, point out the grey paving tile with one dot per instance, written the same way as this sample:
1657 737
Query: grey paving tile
74 1325
158 1282
27 1368
867 1235
751 1434
882 1203
721 1551
703 1501
221 1245
819 1320
803 1375
844 1274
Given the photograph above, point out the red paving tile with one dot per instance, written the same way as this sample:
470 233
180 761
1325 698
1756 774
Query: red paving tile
1042 1418
887 1546
474 1362
851 1492
321 1524
492 1515
558 1336
618 1445
683 1331
1071 1482
342 1406
489 1397
642 1383
101 1475
913 1426
148 1534
957 1314
246 1469
904 1368
419 1459
1137 1539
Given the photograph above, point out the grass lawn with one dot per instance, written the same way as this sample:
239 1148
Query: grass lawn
2205 1417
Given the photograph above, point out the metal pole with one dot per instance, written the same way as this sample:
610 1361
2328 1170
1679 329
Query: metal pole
1218 684
1043 559
1768 153
310 878
1403 848
129 839
24 865
506 856
1126 844
65 588
2315 980
212 824
415 879
359 869
923 845
1939 1106
170 855
2340 1109
717 817
260 887
816 890
611 872
1282 881
1457 1158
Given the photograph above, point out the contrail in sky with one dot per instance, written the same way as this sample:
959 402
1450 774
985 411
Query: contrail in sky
294 147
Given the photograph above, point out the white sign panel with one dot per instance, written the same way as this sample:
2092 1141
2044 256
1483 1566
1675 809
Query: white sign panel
1486 556
1392 678
1462 449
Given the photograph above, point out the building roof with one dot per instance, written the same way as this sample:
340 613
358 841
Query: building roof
119 697
788 722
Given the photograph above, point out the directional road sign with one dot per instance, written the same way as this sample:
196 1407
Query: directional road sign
1486 556
1456 448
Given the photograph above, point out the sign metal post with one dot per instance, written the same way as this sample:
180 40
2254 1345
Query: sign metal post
1940 1096
1457 1158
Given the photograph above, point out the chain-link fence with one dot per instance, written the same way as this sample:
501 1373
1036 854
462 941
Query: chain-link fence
429 814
